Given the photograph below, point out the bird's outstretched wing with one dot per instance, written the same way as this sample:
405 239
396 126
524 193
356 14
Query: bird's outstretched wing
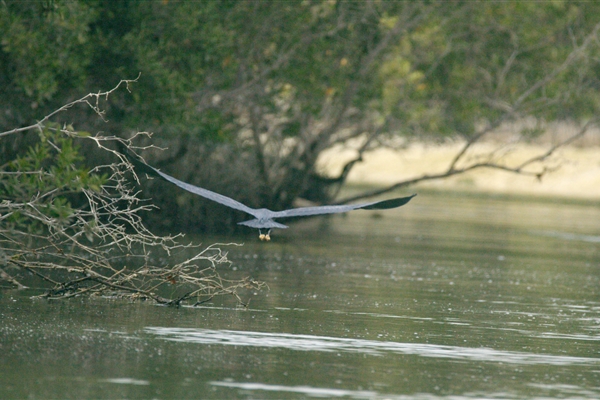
376 205
219 198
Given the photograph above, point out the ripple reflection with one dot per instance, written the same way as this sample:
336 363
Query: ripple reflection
370 347
305 390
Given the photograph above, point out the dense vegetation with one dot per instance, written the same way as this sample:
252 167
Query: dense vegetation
247 95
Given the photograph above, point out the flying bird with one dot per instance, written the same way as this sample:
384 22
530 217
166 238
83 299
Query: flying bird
264 219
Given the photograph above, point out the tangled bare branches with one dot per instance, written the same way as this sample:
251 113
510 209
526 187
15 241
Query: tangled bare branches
103 246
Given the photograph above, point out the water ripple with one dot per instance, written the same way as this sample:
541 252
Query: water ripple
573 392
305 390
569 236
126 381
370 347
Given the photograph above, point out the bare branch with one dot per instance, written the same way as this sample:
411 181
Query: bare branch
91 99
453 170
103 246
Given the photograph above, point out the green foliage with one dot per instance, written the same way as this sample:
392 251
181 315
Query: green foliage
273 84
45 45
468 63
45 177
434 76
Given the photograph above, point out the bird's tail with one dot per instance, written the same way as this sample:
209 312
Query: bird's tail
268 224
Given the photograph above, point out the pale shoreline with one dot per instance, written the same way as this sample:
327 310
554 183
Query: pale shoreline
577 176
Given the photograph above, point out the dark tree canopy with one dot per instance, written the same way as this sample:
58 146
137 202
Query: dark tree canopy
255 91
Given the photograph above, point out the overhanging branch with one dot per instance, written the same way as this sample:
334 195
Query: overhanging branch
453 170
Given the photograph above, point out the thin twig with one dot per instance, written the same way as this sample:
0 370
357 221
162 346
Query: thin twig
103 247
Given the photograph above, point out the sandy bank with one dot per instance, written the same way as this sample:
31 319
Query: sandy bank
577 176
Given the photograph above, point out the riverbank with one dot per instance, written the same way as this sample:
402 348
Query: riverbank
575 174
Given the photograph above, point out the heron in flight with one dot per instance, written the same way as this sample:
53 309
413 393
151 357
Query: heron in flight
264 219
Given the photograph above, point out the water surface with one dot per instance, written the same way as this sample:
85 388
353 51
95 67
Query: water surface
450 297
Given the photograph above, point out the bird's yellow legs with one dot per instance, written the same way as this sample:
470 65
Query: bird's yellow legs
263 236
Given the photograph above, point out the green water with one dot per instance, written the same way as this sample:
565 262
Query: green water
450 297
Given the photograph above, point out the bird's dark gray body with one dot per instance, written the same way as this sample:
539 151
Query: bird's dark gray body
264 218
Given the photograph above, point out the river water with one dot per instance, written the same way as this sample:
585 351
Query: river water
449 297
